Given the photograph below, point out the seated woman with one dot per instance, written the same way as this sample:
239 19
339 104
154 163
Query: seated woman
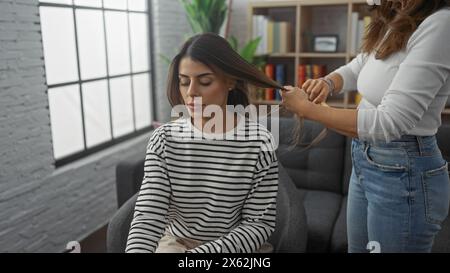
215 193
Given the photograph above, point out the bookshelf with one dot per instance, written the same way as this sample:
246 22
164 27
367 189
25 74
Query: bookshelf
309 18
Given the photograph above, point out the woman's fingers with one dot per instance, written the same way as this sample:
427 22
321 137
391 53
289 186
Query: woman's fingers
306 85
316 91
312 86
290 88
322 97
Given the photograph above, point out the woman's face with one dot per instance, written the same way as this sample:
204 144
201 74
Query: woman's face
199 81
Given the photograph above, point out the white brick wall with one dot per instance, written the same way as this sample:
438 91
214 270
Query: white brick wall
238 20
170 31
41 208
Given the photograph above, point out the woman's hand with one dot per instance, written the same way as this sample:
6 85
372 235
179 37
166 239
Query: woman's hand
317 90
295 99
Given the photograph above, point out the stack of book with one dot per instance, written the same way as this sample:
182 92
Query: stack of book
276 72
310 71
276 37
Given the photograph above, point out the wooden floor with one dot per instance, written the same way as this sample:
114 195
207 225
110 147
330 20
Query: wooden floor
96 242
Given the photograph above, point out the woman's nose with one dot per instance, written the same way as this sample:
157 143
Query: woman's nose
192 90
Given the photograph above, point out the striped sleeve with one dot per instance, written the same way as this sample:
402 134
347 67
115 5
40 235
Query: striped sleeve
149 220
258 213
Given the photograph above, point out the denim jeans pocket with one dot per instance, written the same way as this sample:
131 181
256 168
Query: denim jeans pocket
387 159
436 191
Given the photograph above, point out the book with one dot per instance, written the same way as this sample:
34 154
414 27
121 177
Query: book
280 76
283 37
256 31
358 98
270 72
354 33
270 37
308 71
276 37
367 21
301 75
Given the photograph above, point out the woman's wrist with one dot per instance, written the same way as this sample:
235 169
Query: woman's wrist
304 108
337 82
331 86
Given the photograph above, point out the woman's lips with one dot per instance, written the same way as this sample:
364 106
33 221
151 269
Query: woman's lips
195 106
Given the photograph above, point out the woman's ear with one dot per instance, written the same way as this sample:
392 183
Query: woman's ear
231 84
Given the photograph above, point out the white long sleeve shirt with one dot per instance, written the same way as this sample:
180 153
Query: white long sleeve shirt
220 192
405 93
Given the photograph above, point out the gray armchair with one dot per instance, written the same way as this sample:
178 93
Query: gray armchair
290 233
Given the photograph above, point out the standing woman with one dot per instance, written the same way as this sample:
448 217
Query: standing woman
399 189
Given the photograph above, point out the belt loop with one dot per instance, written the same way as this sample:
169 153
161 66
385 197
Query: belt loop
365 147
420 144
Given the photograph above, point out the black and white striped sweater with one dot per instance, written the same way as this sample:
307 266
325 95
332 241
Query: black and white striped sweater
221 191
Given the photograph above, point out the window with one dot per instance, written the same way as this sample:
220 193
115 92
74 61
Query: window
98 69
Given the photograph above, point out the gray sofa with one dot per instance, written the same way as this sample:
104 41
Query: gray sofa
316 180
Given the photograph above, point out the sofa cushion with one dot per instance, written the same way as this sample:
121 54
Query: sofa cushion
322 209
318 168
443 136
442 239
119 226
129 175
339 235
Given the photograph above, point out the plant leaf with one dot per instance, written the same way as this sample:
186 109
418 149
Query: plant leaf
205 15
248 51
234 43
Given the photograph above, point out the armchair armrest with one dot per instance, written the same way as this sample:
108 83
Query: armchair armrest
129 175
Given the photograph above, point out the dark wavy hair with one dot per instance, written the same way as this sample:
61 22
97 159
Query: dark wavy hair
215 52
401 21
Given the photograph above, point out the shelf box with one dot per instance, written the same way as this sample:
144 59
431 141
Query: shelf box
323 20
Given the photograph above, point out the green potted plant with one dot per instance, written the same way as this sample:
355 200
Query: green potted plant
205 15
209 16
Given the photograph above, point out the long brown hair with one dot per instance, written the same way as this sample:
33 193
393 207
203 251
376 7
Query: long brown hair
401 22
215 52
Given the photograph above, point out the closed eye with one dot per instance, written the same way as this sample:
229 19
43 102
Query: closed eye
206 83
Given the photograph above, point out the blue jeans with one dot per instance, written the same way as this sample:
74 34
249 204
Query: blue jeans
398 196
